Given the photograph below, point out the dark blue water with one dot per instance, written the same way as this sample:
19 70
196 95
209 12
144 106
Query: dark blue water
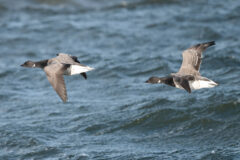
114 114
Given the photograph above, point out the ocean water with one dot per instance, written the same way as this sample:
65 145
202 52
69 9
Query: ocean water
114 114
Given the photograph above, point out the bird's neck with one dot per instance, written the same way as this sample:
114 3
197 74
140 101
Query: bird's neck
167 80
40 64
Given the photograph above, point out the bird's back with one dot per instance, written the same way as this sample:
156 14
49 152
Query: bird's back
65 58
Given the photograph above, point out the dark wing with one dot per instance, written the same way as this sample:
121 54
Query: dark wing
192 58
183 81
76 60
84 75
55 77
68 59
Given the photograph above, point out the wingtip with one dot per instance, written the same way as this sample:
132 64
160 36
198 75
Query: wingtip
211 43
64 100
188 90
205 45
84 75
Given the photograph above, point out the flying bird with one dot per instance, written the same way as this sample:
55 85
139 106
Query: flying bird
188 76
55 68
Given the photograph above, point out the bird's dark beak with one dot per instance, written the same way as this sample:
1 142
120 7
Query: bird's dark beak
147 81
22 65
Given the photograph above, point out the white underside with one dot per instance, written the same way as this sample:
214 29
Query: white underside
198 84
76 69
178 86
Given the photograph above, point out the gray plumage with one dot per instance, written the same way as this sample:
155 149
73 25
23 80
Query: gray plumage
192 59
188 77
55 68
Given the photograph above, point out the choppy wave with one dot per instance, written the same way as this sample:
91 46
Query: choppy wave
114 114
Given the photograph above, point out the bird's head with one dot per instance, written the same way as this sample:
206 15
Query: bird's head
154 80
29 64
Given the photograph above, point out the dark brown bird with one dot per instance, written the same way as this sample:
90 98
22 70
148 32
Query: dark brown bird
55 68
188 76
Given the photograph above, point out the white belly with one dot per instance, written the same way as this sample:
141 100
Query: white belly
178 86
76 69
198 84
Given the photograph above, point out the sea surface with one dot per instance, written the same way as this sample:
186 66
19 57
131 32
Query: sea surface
114 115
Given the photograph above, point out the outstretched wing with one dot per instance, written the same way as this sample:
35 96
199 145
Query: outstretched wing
192 58
183 81
55 77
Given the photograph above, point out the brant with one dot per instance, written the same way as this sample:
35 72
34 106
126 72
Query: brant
188 76
56 67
